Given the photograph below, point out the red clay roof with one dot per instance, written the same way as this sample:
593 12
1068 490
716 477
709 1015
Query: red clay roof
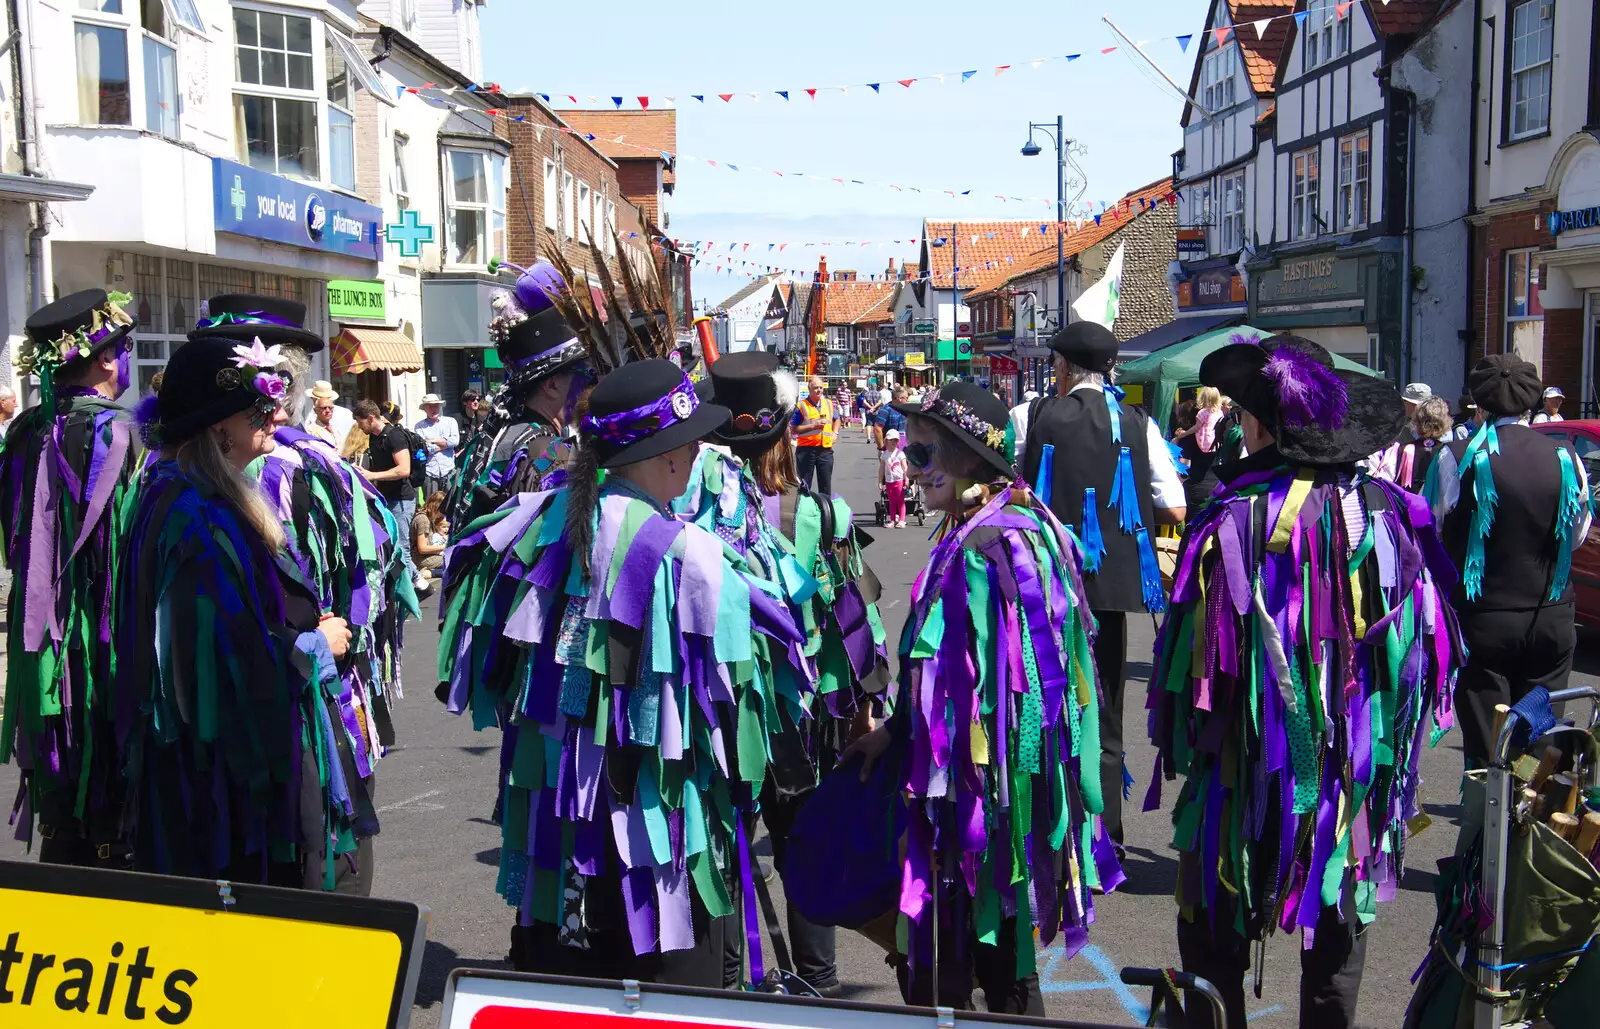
1261 53
858 302
1404 17
644 133
989 251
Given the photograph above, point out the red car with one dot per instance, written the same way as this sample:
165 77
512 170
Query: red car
1584 435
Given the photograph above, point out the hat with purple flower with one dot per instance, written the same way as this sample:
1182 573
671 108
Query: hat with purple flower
210 379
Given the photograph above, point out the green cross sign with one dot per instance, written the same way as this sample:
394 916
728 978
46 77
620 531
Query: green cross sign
410 234
237 195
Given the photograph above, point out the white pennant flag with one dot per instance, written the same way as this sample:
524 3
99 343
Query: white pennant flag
1099 302
1261 26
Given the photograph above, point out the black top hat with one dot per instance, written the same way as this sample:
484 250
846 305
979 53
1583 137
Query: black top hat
249 316
1088 345
1505 385
73 328
1317 414
209 379
759 395
646 408
532 337
973 415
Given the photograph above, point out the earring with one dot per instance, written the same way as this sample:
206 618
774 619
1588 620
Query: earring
224 442
672 467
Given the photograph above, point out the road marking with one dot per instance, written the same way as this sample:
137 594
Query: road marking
413 803
1109 979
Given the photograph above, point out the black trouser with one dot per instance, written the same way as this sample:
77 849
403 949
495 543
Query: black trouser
535 948
994 968
818 460
1330 972
811 945
1111 659
1508 653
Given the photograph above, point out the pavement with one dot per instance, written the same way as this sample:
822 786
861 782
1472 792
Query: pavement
439 848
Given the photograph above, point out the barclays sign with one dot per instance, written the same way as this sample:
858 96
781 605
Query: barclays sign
1573 221
254 203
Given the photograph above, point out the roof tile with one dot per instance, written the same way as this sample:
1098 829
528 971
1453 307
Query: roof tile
1404 17
1261 53
645 134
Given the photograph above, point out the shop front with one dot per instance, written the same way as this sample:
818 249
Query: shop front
372 353
1569 278
458 354
1347 299
1209 288
269 235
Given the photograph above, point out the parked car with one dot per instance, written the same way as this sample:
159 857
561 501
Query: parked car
1584 435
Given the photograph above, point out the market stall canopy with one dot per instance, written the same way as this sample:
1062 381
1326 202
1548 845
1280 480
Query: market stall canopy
359 349
1176 367
1174 332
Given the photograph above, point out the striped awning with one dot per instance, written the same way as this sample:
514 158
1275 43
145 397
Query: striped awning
361 349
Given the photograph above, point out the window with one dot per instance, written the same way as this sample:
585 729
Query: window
276 134
398 181
1327 31
476 200
104 93
585 219
1355 180
552 201
1217 75
569 207
1524 312
1233 212
1303 197
341 122
160 71
611 229
1531 37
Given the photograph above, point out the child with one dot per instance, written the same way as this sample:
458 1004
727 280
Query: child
892 477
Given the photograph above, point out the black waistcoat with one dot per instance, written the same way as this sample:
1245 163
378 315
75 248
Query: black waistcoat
1520 553
1078 426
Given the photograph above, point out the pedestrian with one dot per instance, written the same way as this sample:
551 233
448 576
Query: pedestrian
1018 421
324 420
815 428
1430 424
1110 477
1512 507
524 447
889 419
70 466
1273 679
1550 408
747 491
429 531
1210 407
8 409
990 752
441 436
621 869
349 546
389 465
474 413
1466 420
860 408
892 471
248 772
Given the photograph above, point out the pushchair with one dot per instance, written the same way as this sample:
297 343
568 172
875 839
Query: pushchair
1518 910
914 505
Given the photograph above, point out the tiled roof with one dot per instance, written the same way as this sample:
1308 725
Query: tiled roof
1270 110
748 291
1087 235
644 133
1261 53
1404 17
988 251
851 303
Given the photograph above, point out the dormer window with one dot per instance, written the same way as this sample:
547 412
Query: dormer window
1218 73
1327 31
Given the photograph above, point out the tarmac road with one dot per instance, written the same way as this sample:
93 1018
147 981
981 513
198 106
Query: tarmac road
439 848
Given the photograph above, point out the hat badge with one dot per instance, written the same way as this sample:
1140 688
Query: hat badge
682 405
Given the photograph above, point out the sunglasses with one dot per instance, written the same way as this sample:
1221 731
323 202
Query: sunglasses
920 454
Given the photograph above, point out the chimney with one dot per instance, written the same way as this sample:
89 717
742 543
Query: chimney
822 269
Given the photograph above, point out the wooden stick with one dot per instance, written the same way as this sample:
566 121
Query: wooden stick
1565 826
1589 833
1549 758
1500 712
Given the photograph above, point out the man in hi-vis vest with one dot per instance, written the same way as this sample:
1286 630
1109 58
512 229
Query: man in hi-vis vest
815 425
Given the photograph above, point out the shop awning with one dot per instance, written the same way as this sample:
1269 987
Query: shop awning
360 349
1176 331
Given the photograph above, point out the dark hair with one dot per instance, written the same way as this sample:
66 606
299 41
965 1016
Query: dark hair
365 408
1187 411
469 395
773 465
583 497
391 411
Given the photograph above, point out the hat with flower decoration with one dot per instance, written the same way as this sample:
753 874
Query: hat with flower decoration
209 379
243 317
72 329
973 415
531 336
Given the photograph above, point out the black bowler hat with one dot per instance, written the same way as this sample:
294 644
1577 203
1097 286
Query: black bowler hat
73 328
646 408
1088 345
1505 385
250 316
973 415
759 396
209 379
532 338
1317 414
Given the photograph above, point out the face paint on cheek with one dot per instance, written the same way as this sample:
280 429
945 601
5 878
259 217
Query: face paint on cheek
124 370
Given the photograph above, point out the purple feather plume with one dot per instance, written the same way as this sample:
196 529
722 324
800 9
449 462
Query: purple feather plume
1309 393
146 414
535 285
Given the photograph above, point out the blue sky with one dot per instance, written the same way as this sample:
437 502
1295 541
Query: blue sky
933 136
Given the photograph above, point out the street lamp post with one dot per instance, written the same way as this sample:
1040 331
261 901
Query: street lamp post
955 300
1063 151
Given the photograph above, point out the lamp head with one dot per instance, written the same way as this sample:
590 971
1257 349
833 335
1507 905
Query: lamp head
1030 148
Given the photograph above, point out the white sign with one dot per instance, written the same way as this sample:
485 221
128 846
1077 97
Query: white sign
506 1000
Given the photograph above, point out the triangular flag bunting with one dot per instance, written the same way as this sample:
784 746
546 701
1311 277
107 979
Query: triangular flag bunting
644 102
1221 33
1000 68
1073 57
1300 19
1183 42
967 75
1340 10
874 86
1108 50
812 93
1261 27
906 82
782 92
726 97
617 100
698 96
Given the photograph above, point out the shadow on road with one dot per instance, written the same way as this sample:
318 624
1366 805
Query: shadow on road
490 857
1150 874
437 961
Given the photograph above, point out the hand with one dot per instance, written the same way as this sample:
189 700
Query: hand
366 473
437 444
337 632
871 747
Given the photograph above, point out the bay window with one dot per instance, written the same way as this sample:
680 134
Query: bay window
277 130
475 201
109 63
104 92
